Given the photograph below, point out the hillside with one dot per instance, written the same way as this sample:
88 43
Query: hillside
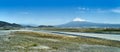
6 24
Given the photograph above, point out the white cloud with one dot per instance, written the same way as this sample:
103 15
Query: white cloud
101 10
116 10
78 19
82 8
98 10
91 10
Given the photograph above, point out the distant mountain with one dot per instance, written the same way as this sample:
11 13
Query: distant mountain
45 26
82 23
6 24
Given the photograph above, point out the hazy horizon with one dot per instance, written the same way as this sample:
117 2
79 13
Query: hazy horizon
55 12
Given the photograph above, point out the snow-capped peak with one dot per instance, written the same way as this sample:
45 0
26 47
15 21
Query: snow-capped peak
78 19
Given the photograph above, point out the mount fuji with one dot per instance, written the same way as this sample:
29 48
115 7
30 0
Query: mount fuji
77 22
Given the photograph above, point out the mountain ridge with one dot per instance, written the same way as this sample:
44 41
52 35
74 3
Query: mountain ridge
89 24
7 24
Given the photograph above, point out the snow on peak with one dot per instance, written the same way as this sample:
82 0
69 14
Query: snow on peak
78 19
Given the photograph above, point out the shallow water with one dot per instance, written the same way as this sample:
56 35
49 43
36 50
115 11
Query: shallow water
94 35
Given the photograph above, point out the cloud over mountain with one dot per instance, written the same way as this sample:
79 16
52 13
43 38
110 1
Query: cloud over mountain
78 19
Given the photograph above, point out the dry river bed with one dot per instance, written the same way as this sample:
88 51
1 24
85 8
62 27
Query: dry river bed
10 42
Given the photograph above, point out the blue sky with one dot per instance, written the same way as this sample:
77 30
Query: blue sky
54 12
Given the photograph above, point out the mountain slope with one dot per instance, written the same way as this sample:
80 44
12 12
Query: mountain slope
78 23
6 24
